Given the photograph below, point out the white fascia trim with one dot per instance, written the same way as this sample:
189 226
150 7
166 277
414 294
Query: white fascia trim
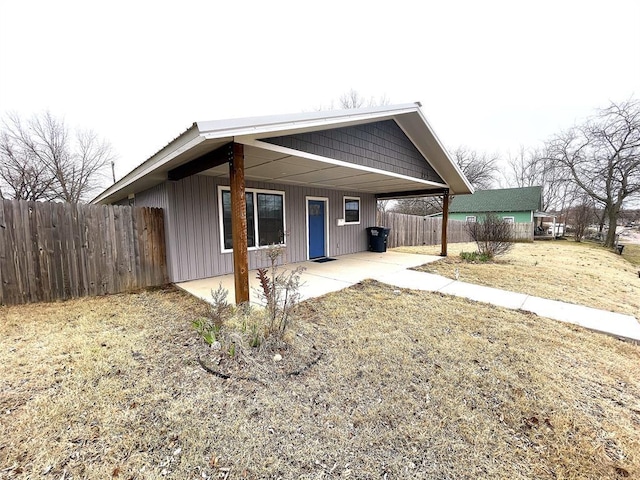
147 169
304 124
453 162
441 146
332 161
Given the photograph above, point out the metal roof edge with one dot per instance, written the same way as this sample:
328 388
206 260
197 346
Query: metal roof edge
447 154
146 167
280 123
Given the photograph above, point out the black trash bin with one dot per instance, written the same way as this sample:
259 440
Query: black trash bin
378 238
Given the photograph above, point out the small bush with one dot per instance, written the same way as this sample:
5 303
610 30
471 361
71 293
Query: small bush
493 235
220 311
233 332
280 291
474 257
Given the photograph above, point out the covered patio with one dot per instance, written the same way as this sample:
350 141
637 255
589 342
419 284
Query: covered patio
310 181
318 278
539 232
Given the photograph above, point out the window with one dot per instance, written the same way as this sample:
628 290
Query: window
265 218
471 218
351 210
509 219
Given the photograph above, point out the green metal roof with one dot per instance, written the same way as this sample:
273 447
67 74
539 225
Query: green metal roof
501 200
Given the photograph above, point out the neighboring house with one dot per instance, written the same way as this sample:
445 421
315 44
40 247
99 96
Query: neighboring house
517 205
310 181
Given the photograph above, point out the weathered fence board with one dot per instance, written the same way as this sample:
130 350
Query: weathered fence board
413 230
55 251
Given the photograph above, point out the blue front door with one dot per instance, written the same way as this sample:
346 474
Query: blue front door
316 228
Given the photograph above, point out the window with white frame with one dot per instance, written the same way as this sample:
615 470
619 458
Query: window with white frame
471 218
509 219
351 210
265 218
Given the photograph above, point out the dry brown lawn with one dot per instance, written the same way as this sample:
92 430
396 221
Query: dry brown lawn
631 254
410 385
581 273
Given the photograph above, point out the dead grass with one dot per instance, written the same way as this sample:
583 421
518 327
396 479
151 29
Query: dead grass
631 254
411 385
581 273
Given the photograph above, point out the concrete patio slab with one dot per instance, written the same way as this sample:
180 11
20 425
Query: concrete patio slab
319 278
392 268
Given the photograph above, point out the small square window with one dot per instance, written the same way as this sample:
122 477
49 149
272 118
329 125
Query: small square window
351 210
471 218
509 219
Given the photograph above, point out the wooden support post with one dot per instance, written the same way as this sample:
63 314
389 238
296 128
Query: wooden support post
239 223
445 221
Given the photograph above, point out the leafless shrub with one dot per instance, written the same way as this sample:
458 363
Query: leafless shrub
279 290
581 216
492 235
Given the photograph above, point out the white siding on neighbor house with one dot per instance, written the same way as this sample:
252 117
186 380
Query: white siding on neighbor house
192 225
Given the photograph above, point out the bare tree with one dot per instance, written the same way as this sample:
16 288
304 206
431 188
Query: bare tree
581 216
481 169
21 174
534 167
421 206
41 160
382 206
602 156
353 99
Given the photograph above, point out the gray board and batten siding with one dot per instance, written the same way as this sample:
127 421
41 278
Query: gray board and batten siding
191 207
192 224
381 145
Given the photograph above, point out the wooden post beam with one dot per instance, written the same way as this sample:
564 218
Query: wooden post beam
239 224
219 156
445 221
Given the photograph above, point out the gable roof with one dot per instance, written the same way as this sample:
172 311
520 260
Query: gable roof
266 160
500 200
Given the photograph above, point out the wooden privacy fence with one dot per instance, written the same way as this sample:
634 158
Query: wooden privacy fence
523 232
413 230
55 251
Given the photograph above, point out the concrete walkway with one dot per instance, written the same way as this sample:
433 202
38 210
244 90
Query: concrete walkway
393 268
616 324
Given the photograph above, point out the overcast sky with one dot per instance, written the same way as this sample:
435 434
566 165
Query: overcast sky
491 75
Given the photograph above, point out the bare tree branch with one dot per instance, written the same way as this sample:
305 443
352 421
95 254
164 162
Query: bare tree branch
41 160
481 169
602 157
353 99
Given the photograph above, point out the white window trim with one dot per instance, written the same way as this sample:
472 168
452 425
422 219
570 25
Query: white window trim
509 219
471 218
326 222
344 209
222 188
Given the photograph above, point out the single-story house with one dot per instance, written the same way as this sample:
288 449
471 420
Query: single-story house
309 181
517 205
